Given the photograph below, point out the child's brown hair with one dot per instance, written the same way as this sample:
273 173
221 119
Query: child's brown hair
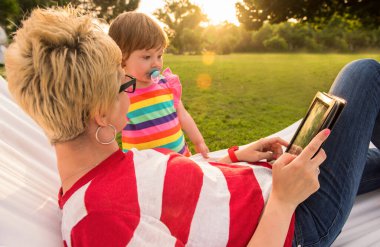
136 31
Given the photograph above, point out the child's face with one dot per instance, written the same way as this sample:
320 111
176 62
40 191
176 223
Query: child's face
141 62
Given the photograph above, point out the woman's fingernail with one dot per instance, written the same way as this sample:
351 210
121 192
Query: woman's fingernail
327 132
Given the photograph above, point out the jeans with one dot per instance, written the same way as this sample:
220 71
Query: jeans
350 164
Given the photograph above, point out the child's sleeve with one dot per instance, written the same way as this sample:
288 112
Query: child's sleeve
173 82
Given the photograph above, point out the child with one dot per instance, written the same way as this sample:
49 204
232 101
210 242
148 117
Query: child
156 114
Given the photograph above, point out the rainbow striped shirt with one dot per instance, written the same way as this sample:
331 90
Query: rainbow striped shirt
153 120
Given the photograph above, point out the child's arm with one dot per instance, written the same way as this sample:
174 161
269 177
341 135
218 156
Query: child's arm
190 128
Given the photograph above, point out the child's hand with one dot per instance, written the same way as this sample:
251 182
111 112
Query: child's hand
202 149
266 148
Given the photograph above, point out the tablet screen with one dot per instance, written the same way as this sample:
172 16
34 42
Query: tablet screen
310 127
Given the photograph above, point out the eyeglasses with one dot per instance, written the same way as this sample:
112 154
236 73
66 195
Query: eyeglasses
129 86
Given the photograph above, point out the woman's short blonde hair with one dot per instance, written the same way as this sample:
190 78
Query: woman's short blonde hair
136 31
63 70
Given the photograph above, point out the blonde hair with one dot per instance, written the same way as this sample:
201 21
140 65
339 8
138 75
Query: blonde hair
63 70
136 31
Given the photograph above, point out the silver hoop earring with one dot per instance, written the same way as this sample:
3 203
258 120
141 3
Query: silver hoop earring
109 142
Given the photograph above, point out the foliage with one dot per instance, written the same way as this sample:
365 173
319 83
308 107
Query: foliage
339 34
276 43
180 17
259 36
191 40
253 13
2 71
332 32
221 39
245 40
13 11
106 9
295 34
9 10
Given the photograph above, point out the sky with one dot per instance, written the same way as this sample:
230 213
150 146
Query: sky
217 10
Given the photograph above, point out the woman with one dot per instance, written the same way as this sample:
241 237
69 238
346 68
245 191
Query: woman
66 74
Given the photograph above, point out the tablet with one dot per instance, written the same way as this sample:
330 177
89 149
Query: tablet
323 113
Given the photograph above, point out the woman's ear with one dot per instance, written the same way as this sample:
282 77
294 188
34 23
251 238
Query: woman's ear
101 119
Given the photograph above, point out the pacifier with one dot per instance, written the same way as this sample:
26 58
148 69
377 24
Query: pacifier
155 75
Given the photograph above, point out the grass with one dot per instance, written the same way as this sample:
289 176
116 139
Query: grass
2 71
251 96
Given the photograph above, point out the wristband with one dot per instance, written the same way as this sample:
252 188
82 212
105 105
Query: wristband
232 155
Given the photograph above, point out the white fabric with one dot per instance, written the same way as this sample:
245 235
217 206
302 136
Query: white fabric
2 52
3 36
204 213
29 182
29 185
75 205
3 42
150 167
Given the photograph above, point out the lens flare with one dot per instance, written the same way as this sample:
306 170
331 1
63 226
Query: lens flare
208 58
204 81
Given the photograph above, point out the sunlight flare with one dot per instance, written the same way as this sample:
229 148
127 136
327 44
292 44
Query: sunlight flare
208 58
204 81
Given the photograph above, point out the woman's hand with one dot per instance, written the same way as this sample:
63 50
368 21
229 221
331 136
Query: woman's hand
266 148
295 178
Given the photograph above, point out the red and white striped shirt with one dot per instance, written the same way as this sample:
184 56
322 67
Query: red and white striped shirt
156 198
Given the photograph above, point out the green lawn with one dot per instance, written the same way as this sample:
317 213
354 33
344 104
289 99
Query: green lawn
253 95
2 70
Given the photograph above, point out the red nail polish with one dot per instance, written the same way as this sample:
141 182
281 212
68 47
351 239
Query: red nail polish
327 132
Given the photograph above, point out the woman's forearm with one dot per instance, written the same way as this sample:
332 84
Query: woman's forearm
273 225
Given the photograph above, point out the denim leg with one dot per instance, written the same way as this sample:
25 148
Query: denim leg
371 174
321 217
376 133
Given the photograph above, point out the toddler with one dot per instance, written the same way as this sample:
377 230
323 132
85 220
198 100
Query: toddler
156 113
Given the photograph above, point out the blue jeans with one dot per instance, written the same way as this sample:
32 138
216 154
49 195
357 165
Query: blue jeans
349 164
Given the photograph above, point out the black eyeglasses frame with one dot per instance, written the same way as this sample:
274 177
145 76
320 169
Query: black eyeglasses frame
125 86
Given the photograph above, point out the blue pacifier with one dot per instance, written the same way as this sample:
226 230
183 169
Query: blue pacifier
155 75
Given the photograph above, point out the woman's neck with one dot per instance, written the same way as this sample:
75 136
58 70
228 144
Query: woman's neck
76 158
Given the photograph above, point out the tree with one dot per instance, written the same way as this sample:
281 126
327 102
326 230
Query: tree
15 10
276 44
191 40
106 9
9 10
222 38
180 16
253 13
258 37
295 34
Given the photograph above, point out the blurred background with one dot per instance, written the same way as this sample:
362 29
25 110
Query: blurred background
228 26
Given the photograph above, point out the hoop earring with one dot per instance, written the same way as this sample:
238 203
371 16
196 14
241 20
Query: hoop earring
109 142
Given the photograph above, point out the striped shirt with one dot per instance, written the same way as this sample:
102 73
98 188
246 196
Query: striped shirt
156 198
153 120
